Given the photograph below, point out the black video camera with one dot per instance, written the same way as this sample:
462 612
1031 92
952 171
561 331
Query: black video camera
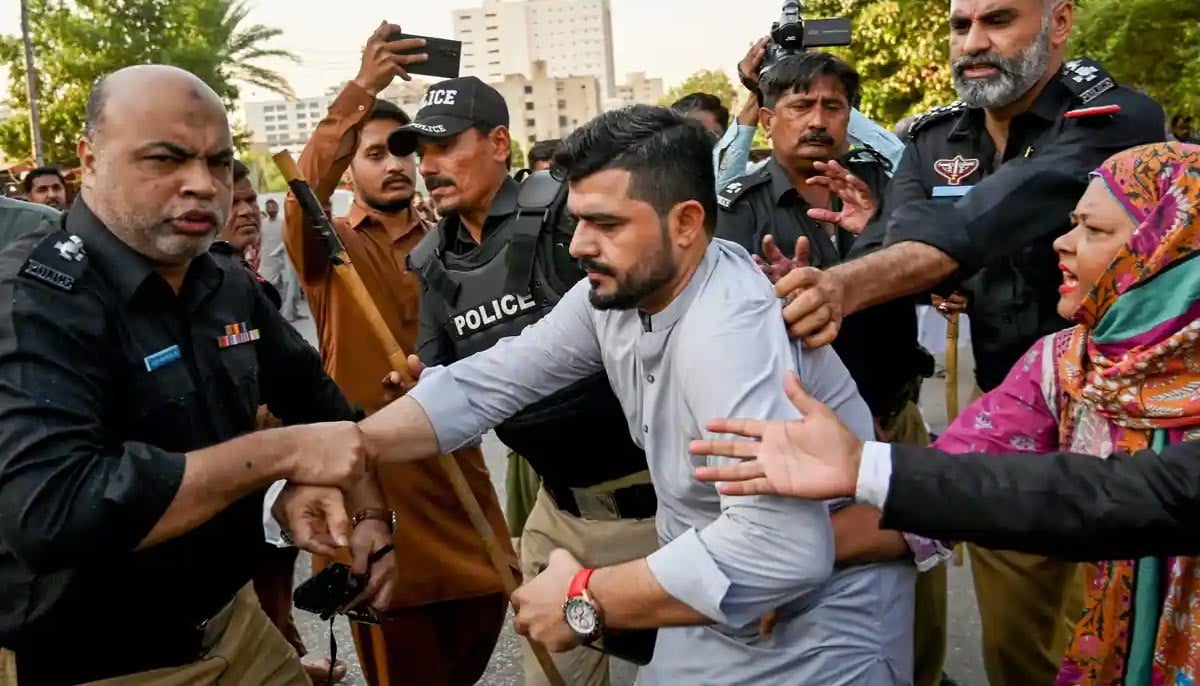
792 34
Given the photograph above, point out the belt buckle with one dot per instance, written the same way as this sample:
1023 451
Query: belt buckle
600 507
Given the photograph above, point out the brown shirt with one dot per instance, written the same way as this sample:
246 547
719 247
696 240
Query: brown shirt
439 554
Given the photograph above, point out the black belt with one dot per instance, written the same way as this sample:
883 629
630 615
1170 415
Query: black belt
631 502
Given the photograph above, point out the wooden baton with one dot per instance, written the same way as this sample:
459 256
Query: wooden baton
344 268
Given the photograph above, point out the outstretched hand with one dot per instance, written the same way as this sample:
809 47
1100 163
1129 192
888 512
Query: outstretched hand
815 457
859 204
775 264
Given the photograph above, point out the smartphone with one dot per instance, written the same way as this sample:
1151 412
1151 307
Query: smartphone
632 645
445 56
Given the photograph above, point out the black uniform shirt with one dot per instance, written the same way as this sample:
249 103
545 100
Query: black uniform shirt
767 202
107 378
1003 209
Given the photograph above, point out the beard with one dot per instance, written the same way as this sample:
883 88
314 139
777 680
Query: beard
633 287
1016 74
383 206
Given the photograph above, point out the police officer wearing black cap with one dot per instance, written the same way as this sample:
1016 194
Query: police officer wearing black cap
496 263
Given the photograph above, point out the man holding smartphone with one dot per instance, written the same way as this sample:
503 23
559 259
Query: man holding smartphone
446 606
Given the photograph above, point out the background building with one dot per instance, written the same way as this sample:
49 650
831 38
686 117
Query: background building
572 37
542 107
637 89
275 123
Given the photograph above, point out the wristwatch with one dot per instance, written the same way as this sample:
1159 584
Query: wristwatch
379 514
581 612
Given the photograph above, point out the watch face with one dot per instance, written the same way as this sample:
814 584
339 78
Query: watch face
581 616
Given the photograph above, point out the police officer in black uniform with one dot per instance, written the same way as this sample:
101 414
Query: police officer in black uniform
807 100
132 361
983 189
496 263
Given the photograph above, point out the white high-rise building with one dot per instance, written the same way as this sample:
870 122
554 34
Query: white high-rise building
276 123
572 37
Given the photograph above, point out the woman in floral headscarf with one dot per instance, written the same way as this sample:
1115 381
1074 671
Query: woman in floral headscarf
1127 377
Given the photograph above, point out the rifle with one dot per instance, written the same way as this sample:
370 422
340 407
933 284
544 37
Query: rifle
344 268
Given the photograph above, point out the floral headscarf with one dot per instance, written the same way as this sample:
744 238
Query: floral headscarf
1134 359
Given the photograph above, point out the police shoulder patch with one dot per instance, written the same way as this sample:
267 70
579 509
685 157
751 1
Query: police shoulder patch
935 115
738 187
1086 79
59 260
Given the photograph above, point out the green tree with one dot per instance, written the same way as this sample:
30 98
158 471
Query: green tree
79 41
1150 45
901 51
710 81
265 175
517 152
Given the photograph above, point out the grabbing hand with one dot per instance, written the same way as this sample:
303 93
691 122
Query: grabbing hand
955 304
777 265
396 385
815 457
539 604
815 307
858 203
314 518
330 454
381 61
369 536
752 62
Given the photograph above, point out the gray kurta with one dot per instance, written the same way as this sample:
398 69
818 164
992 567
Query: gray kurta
718 350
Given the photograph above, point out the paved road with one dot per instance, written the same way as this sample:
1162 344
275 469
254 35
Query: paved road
963 661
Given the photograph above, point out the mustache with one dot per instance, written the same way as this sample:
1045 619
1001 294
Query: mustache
398 176
436 182
983 59
591 265
820 137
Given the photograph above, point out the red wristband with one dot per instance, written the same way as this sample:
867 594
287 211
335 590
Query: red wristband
579 583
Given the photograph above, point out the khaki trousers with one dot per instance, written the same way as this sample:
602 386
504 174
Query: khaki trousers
244 648
594 544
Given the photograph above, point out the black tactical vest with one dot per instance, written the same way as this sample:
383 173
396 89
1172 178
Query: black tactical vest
579 436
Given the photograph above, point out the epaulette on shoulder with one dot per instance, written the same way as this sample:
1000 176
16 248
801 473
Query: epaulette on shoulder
935 115
1086 80
738 187
58 260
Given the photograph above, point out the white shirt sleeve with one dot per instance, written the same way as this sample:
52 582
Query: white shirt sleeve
874 474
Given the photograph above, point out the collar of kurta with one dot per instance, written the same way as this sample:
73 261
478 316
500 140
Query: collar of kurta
673 312
395 225
125 268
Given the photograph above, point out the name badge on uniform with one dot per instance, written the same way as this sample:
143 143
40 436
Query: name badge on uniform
951 191
162 358
237 334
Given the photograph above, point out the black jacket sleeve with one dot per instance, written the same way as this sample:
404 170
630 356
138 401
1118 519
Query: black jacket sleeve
1027 198
68 497
1063 505
294 384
